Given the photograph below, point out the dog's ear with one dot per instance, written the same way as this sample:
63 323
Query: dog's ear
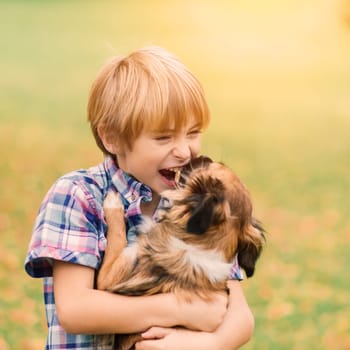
206 204
205 214
250 244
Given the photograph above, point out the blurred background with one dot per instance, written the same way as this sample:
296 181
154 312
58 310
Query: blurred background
277 78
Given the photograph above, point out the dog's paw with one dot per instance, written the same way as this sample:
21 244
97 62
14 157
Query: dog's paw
112 201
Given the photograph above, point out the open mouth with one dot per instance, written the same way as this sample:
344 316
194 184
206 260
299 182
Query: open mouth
175 176
172 174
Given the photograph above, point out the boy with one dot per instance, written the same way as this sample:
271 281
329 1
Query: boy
147 112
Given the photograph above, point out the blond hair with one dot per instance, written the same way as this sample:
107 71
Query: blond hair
147 90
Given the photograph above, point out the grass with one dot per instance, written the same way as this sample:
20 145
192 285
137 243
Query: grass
279 96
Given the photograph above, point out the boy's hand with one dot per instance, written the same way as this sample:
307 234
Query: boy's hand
112 204
203 315
158 338
113 262
114 215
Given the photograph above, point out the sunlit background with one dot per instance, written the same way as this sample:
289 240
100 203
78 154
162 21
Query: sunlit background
277 78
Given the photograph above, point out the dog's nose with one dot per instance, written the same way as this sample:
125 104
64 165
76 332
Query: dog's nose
195 163
199 162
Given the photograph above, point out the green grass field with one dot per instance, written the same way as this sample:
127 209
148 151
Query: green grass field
277 78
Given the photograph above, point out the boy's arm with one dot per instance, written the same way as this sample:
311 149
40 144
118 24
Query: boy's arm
84 310
238 326
236 329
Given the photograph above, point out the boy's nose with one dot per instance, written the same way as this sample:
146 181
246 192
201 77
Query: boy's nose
182 150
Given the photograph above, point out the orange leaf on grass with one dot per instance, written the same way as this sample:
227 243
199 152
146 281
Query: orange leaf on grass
3 344
279 310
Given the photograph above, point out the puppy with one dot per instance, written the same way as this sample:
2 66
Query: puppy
189 251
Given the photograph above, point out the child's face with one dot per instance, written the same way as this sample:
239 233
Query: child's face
155 154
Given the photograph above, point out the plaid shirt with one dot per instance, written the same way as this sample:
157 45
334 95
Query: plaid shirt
70 227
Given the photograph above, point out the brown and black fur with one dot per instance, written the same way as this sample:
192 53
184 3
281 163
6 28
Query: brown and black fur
208 217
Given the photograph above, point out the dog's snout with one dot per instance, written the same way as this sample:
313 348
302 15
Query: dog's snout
199 162
195 163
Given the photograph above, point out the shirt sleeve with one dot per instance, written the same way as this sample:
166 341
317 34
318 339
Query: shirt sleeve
69 227
236 271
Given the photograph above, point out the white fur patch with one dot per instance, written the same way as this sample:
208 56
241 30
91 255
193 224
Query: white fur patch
112 201
131 251
146 225
209 262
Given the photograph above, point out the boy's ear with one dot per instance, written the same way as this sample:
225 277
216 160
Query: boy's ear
111 147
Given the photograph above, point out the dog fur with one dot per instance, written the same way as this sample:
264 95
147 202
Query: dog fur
208 220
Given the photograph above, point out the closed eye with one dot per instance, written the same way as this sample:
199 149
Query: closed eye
194 132
163 138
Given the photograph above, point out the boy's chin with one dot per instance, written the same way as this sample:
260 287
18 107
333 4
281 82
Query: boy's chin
167 184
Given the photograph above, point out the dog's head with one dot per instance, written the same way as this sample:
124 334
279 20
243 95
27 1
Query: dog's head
215 209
